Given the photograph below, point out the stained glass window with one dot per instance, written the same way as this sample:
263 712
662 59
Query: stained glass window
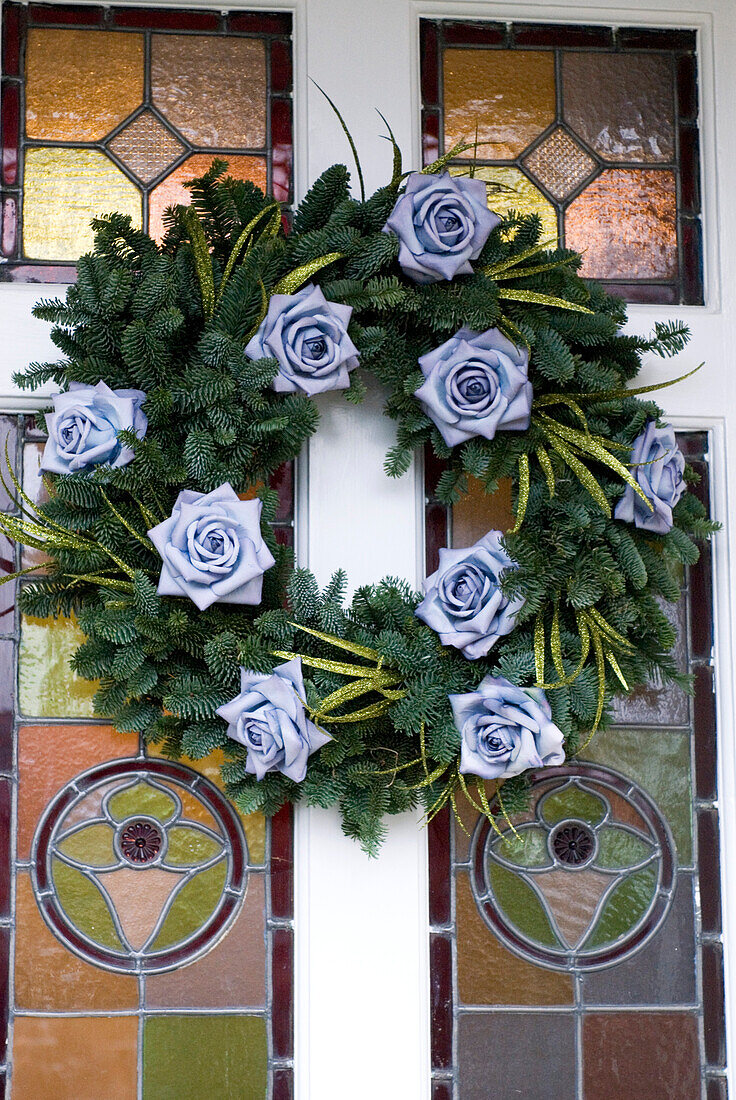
581 958
593 129
145 925
116 108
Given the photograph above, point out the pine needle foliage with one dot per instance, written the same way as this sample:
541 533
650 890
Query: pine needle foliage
173 319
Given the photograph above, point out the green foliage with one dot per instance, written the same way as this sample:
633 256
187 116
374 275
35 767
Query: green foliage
137 318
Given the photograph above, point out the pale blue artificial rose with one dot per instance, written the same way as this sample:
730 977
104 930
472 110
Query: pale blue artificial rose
85 424
309 337
476 384
505 730
658 466
212 548
463 600
268 717
442 223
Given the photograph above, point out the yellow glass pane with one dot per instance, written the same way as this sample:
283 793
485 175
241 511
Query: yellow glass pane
509 189
80 84
47 687
508 95
64 190
171 191
212 89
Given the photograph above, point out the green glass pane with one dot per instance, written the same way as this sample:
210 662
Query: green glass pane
619 849
528 849
205 1058
142 798
573 802
189 846
659 760
47 687
192 906
625 907
91 845
84 905
521 905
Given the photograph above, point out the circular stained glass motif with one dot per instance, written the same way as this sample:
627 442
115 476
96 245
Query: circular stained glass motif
139 865
584 878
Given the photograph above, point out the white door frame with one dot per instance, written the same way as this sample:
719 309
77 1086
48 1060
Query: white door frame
362 982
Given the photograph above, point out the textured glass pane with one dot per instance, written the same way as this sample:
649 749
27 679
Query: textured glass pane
642 206
560 164
173 191
476 513
212 89
637 1056
508 96
147 147
509 189
533 1055
173 1049
47 686
84 1057
622 104
80 84
64 190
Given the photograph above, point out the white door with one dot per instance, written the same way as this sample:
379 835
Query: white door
362 988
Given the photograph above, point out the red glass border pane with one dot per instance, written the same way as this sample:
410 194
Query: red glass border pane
10 132
162 20
66 14
430 75
281 74
281 153
558 34
461 33
8 242
13 14
260 23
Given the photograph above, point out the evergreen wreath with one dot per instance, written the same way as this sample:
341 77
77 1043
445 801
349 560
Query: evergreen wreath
187 379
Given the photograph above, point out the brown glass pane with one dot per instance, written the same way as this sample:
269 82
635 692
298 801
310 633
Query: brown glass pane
507 95
621 104
80 84
641 1056
213 89
529 1057
625 224
560 164
477 513
84 1057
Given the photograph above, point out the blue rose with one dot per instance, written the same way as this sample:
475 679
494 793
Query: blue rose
505 729
212 548
463 600
84 426
309 337
658 466
268 717
476 383
442 223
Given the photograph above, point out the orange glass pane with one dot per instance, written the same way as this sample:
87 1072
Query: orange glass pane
213 89
80 84
508 95
75 1058
173 191
64 190
625 225
632 117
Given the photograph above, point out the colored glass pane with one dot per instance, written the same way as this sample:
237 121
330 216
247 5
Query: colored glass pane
560 164
189 846
516 898
235 1066
147 147
624 908
63 190
142 798
642 204
619 848
527 849
640 1056
509 189
506 97
84 905
84 1057
90 845
573 801
635 119
476 512
193 905
172 190
81 83
212 89
47 686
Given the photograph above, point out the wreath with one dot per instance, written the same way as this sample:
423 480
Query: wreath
188 377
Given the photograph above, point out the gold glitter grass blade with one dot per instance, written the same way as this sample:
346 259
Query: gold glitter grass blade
202 259
534 298
299 275
248 238
523 493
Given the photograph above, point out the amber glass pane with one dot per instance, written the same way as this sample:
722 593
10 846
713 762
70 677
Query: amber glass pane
625 224
509 95
80 84
173 191
147 147
212 89
509 189
64 189
476 513
622 104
